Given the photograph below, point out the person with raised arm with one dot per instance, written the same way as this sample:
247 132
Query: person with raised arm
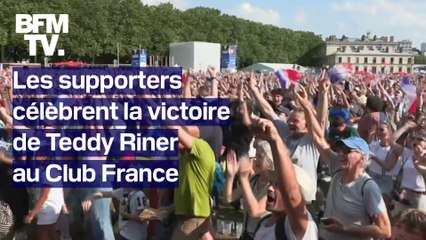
192 202
413 187
355 208
294 133
290 218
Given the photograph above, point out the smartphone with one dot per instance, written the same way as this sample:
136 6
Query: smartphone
326 221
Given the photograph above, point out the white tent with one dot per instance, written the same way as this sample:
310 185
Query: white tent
272 67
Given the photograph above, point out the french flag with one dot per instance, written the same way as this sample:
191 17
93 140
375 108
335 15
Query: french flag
287 76
340 72
184 78
411 93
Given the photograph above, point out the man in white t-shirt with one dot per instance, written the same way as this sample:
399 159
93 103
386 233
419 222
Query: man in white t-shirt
294 133
354 208
132 203
289 193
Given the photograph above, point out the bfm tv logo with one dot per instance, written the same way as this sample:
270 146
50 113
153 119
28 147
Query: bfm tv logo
27 23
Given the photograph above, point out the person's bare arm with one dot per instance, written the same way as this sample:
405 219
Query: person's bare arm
322 107
184 138
230 194
87 204
187 88
380 229
397 148
314 128
254 207
285 175
213 74
264 106
38 205
387 165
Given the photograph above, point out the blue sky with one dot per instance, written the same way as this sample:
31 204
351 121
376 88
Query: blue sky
404 19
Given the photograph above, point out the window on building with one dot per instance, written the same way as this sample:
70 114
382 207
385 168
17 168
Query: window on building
374 60
409 60
400 60
366 60
400 69
391 70
382 70
391 61
356 69
374 70
357 59
349 59
365 69
408 70
383 60
340 59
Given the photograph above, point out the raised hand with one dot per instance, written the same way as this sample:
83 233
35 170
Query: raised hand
87 205
263 129
231 163
212 71
325 85
252 81
302 96
411 124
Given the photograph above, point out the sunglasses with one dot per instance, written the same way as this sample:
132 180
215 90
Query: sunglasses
346 150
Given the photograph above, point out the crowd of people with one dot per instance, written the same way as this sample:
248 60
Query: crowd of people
318 160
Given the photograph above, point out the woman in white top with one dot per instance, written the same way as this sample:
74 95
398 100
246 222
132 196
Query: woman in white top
290 218
254 201
413 188
381 154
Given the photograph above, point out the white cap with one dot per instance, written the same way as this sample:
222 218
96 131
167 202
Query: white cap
306 183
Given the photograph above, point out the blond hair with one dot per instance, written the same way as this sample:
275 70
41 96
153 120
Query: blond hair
264 148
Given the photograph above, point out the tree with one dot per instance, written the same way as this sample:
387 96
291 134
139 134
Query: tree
420 60
96 27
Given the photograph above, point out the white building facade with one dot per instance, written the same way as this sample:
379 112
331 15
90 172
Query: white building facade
195 55
375 55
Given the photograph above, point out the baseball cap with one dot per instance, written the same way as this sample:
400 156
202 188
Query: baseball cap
306 183
356 143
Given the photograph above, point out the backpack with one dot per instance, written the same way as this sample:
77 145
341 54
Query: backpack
219 179
362 190
6 218
280 233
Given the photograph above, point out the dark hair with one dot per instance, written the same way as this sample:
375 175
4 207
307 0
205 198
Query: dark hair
338 121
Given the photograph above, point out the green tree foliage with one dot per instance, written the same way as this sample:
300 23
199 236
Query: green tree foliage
420 60
97 27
